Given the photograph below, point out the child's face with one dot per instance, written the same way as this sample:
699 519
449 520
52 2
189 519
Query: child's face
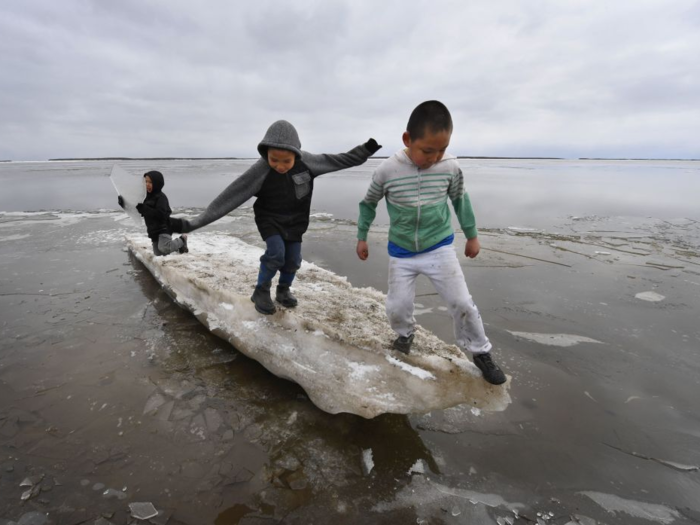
427 150
149 184
280 160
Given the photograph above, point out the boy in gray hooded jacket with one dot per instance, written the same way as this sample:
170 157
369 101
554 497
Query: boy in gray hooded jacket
282 180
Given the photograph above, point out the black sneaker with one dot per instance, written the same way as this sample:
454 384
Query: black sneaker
263 301
403 344
492 374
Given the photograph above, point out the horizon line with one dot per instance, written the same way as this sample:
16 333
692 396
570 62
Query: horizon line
483 157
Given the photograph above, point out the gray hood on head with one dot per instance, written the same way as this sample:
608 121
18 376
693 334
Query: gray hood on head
280 135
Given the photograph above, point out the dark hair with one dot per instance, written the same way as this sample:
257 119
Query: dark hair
430 116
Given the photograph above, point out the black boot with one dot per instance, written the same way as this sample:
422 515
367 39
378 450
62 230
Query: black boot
263 301
403 344
492 373
184 248
284 296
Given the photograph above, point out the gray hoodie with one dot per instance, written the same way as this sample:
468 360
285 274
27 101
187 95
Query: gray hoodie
280 135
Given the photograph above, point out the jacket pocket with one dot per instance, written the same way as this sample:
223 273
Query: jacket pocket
302 184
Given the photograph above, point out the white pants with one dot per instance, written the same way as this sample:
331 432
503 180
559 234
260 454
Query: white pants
442 268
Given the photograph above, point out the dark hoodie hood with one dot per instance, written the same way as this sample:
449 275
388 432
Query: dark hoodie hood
157 179
280 135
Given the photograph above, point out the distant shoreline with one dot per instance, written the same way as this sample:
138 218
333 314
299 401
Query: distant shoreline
88 159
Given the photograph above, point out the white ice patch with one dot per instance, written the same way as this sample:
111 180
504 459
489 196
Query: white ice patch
102 237
422 491
227 306
638 509
418 372
13 237
650 296
417 468
321 215
420 309
359 371
518 229
367 461
563 340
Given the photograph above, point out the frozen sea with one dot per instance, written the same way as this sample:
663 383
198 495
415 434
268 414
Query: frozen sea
589 285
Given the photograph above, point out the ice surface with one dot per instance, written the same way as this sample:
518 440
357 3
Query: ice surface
638 509
417 468
422 491
351 368
650 296
143 511
555 339
33 518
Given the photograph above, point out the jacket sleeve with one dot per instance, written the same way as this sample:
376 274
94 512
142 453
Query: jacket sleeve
368 206
235 194
326 163
462 205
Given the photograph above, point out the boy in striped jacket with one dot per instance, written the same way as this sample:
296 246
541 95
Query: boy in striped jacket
417 183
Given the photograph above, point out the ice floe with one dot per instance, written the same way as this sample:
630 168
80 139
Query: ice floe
555 339
351 368
650 296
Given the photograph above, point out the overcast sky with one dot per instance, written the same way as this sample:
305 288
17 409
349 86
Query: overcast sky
612 78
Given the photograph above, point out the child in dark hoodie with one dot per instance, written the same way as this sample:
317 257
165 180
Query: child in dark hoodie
156 211
282 180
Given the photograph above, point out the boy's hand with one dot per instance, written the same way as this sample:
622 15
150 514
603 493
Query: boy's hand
120 200
372 146
472 248
139 208
362 250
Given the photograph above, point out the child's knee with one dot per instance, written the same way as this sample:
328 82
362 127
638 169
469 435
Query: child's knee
274 260
465 308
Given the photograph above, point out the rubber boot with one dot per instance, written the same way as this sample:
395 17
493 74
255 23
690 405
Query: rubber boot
284 296
263 301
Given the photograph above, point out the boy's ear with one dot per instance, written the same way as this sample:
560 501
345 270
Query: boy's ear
406 139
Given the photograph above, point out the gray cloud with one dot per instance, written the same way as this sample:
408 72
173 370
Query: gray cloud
543 78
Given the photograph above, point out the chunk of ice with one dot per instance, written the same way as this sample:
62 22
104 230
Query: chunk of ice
650 296
143 510
367 461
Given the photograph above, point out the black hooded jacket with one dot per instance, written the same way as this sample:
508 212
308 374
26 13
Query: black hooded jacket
156 208
283 204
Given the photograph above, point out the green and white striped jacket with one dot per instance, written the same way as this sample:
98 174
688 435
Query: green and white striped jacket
417 202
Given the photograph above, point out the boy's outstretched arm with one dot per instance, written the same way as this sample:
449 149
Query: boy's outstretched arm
326 163
465 214
235 194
